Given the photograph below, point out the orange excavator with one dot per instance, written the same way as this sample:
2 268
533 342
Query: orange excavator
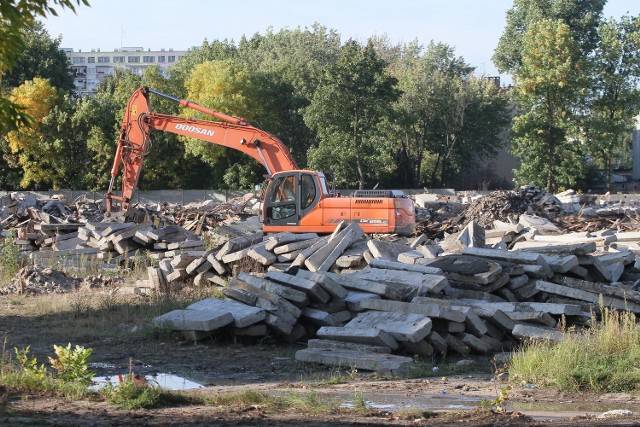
295 200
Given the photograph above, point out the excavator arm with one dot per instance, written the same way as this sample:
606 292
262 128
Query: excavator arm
233 132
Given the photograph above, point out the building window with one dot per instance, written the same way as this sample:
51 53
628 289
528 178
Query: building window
91 60
118 59
161 58
133 59
103 59
78 60
172 59
148 59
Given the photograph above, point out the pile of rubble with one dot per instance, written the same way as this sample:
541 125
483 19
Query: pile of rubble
569 210
37 281
373 304
359 301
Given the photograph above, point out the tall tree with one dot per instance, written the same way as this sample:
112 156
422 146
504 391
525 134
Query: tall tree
42 58
235 88
451 118
40 154
614 98
545 136
581 17
347 112
16 15
295 58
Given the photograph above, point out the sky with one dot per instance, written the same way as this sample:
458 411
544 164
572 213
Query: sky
473 27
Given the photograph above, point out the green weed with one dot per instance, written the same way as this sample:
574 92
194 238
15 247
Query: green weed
72 364
10 259
603 358
25 375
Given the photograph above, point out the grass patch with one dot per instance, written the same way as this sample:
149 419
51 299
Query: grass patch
603 358
86 316
130 394
308 403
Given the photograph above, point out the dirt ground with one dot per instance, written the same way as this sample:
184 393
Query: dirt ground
223 365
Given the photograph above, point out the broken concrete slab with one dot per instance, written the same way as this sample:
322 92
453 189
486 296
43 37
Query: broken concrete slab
243 315
386 250
309 287
332 287
379 362
345 345
369 336
536 332
402 326
194 320
407 307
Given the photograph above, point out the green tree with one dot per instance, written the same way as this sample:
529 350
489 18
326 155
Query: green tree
545 138
347 112
448 120
208 51
581 17
297 59
614 98
16 15
42 58
44 151
236 89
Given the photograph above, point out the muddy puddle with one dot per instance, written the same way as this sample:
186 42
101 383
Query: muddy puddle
165 381
393 402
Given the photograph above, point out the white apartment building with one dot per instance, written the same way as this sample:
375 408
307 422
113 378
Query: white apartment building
89 68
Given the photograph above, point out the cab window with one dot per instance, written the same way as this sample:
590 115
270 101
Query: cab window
308 191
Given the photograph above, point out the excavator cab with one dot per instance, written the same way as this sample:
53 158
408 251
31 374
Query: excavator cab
291 195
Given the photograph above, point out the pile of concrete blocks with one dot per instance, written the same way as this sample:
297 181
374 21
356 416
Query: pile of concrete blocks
107 244
373 304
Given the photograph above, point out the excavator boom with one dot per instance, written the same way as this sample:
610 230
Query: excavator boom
232 132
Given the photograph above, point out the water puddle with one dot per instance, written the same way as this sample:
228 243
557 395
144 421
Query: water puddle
396 402
165 381
430 402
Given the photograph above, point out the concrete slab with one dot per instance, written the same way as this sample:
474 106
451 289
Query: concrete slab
369 336
324 258
456 344
194 320
386 250
286 292
237 244
475 344
320 318
402 326
384 364
309 287
343 345
395 265
243 315
414 283
536 332
287 237
354 300
273 303
331 286
438 342
407 307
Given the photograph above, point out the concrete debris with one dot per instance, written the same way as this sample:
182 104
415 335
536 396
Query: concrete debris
511 270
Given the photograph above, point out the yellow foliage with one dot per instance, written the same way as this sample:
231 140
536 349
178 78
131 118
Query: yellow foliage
37 96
